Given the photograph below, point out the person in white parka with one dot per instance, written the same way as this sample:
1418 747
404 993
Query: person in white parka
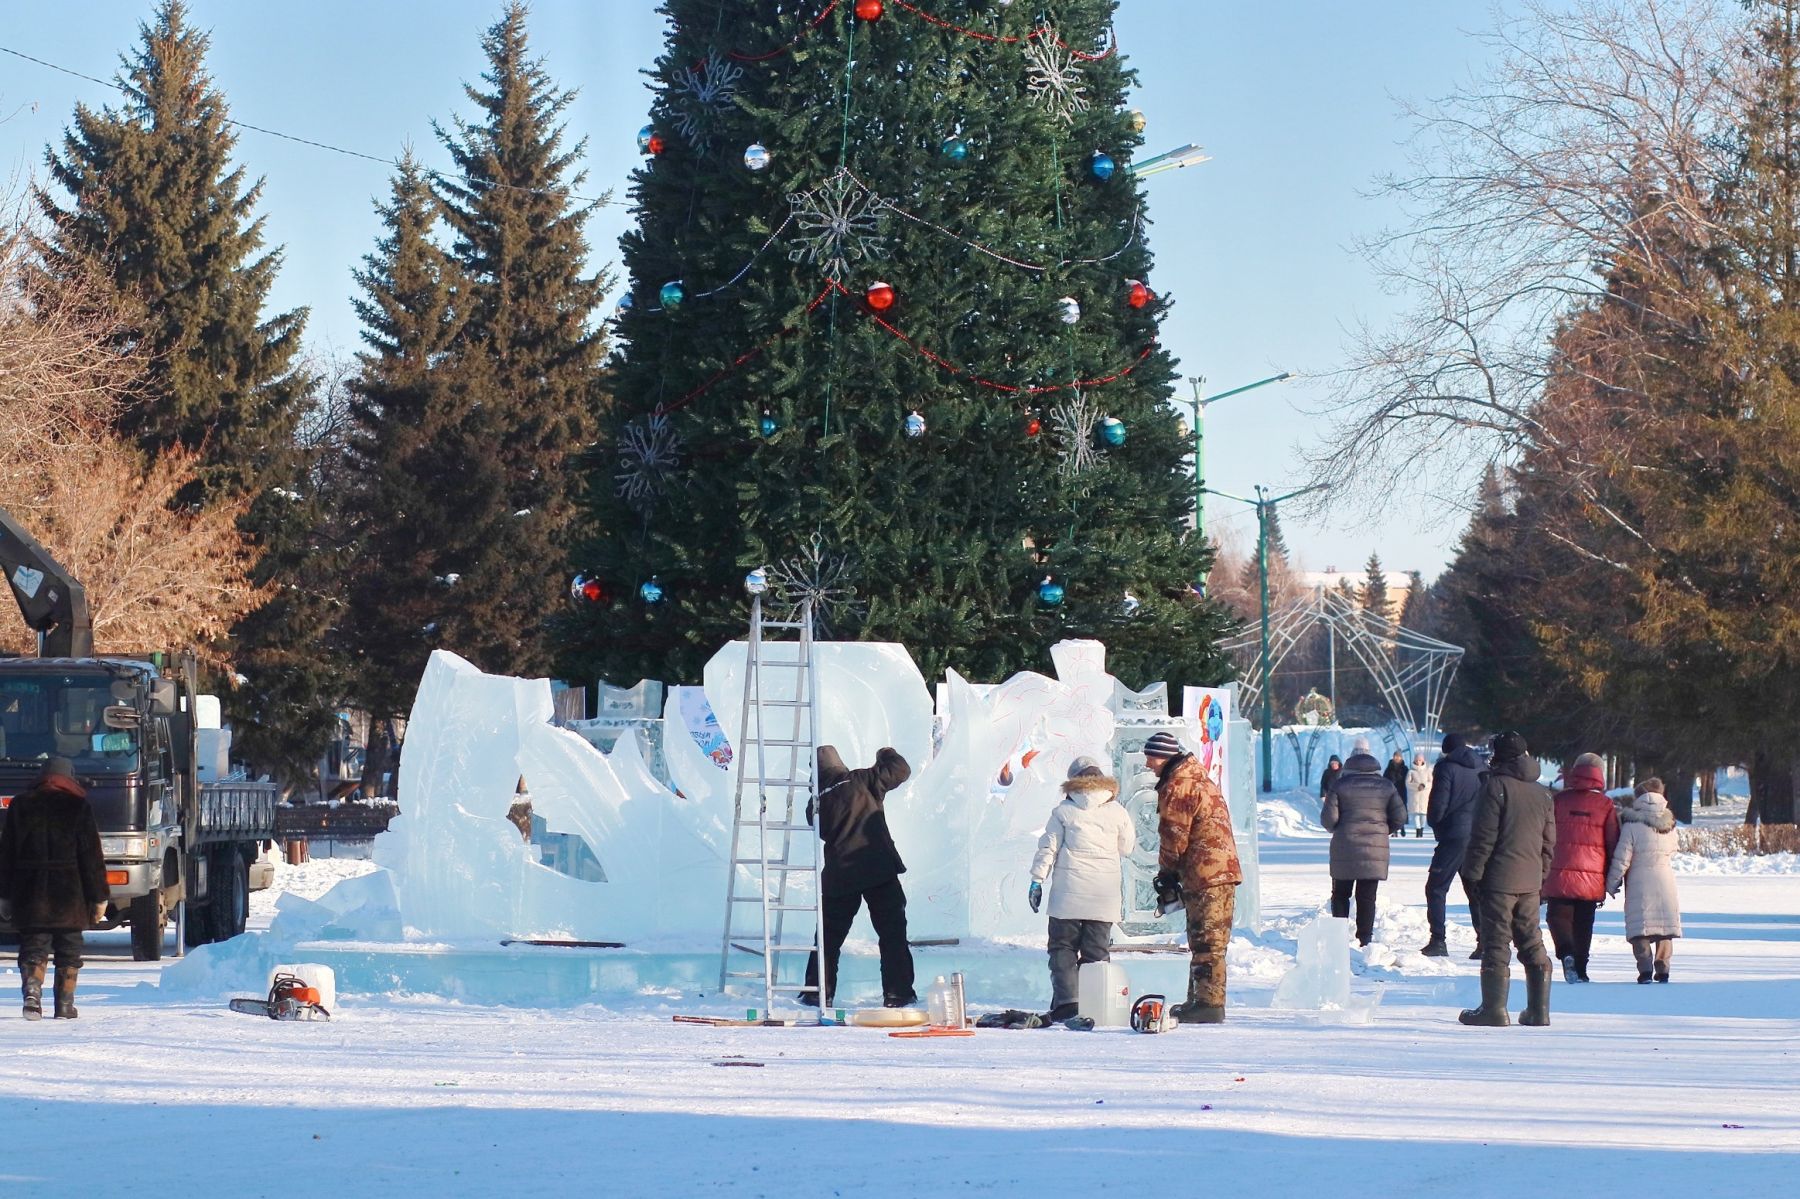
1642 864
1080 854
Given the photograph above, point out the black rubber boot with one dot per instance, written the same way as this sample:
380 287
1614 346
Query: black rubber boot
1537 997
33 986
1662 972
65 994
1571 971
1435 948
1197 1013
1495 983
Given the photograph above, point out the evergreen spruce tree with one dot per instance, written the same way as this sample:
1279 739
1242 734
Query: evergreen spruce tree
154 204
526 354
1374 593
797 170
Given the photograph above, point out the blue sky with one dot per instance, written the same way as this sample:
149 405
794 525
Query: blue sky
1296 103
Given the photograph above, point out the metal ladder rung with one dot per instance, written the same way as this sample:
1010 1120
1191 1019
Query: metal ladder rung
787 703
772 743
773 907
790 784
791 867
806 948
783 624
797 988
786 828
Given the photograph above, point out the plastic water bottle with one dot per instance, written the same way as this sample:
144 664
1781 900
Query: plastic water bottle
939 998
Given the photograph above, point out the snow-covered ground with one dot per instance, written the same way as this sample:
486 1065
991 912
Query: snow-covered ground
1633 1090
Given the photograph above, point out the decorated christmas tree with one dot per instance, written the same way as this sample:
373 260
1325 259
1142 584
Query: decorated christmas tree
890 331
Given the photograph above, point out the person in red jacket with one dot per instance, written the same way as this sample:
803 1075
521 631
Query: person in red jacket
1587 829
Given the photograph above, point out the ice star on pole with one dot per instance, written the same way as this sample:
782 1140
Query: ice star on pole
836 224
649 452
1072 423
821 578
702 92
1053 77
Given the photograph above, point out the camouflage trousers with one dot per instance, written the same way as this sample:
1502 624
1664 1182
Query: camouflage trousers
1209 914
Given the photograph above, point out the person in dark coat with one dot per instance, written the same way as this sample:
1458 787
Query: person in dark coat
1362 811
1333 768
1511 846
1587 830
1456 782
861 866
52 882
1396 774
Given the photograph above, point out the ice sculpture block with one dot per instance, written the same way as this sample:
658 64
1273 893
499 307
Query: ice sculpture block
1320 978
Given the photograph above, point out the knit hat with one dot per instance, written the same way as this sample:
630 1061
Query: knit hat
1360 746
59 765
1162 745
1509 747
1651 784
1085 767
1453 742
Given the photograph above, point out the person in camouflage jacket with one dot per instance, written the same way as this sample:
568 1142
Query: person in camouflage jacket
1199 852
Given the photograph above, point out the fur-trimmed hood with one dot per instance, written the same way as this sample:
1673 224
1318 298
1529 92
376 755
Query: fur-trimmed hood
1090 790
1651 809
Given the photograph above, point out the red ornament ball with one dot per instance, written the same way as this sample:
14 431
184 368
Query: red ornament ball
1137 295
587 589
880 296
656 145
869 10
1033 426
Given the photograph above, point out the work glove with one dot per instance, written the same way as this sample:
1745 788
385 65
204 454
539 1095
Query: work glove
1035 896
1166 882
5 909
99 913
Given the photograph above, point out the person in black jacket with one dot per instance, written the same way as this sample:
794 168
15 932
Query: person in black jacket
1333 768
52 882
1511 846
861 866
1362 811
1455 786
1396 774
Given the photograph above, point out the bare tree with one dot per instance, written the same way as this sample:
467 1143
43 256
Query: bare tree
1593 125
158 574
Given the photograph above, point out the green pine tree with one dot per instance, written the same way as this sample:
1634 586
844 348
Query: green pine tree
527 353
763 387
1374 593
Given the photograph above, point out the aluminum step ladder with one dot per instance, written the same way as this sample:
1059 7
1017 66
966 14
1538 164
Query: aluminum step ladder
772 914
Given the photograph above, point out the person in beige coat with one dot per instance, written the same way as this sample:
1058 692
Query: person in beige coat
1418 793
1642 864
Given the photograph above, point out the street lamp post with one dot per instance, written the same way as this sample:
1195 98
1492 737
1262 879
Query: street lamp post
1264 504
1199 406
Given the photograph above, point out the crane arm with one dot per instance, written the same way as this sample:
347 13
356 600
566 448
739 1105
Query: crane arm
50 600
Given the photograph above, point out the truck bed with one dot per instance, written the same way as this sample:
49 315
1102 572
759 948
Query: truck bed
237 812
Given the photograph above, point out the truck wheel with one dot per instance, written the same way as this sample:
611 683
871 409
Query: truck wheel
231 896
146 918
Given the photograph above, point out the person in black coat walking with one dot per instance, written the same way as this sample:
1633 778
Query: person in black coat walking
1396 774
1455 786
52 882
1362 811
1511 847
861 866
1333 768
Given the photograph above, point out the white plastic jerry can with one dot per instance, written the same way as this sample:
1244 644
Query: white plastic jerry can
1103 994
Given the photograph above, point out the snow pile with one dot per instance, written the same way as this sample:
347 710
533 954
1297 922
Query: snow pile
1295 814
309 880
1743 863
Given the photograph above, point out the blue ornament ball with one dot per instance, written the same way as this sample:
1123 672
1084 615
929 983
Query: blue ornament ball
769 425
757 581
1112 431
955 149
625 302
915 425
651 592
756 156
1128 607
1102 165
644 136
1050 592
672 294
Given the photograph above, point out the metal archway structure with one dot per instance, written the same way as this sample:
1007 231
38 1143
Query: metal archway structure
1401 661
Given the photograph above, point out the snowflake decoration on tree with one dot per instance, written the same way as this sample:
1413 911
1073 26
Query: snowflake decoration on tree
649 452
824 579
702 92
1053 77
1073 423
837 223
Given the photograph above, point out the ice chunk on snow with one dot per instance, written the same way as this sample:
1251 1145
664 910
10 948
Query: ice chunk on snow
1321 974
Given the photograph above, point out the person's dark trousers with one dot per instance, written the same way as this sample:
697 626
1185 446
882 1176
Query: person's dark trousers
1511 921
887 912
1571 923
1446 865
1365 904
64 947
1073 942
